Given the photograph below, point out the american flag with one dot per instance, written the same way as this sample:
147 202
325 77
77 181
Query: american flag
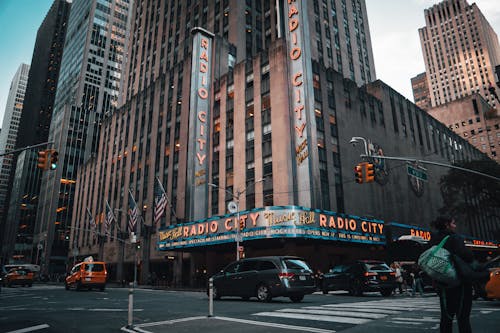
160 201
92 221
133 214
110 217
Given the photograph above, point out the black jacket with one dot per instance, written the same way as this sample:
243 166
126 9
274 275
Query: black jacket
455 244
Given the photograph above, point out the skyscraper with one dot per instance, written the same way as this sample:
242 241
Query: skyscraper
259 127
10 126
87 90
34 129
460 51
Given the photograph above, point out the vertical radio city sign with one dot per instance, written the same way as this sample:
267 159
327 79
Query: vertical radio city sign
302 101
199 119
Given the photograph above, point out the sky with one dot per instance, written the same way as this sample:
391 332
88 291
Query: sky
393 26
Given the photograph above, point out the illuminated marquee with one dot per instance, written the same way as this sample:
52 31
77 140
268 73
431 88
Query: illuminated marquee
273 222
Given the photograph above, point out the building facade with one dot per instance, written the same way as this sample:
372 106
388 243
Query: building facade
460 51
270 133
34 129
421 95
475 120
10 126
87 90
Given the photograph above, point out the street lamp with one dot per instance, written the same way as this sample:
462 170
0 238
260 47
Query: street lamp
236 198
356 139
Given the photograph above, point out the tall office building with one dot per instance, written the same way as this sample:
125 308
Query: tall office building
10 126
34 129
87 90
460 51
420 89
259 130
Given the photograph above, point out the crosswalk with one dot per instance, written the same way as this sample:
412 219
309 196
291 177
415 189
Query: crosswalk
404 311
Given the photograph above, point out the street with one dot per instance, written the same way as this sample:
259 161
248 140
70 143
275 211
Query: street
50 308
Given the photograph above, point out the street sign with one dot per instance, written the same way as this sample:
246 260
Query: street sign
417 172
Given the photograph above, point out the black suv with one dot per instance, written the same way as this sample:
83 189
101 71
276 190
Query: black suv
265 278
363 275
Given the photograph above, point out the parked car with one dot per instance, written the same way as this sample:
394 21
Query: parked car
87 274
361 276
18 276
265 278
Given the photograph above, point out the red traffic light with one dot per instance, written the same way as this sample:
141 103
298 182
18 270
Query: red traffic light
42 160
369 173
358 172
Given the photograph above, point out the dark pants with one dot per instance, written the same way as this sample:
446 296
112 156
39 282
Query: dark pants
456 301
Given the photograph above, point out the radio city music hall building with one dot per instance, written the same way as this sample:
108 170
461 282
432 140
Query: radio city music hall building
270 132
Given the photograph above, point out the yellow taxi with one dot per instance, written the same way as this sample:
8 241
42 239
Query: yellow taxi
19 276
493 285
87 274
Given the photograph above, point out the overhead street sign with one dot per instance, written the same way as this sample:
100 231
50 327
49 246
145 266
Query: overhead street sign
417 172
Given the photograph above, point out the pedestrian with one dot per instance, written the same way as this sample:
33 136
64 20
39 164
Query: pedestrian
399 276
454 301
418 281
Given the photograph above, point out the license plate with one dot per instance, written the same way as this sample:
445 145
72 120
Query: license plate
87 279
302 277
383 278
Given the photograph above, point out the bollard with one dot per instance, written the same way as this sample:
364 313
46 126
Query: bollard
130 305
211 297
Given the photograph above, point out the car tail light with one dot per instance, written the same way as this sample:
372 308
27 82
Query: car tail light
370 274
392 273
286 275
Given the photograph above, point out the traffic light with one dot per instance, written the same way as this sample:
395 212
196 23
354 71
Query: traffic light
53 159
358 172
42 160
138 245
369 173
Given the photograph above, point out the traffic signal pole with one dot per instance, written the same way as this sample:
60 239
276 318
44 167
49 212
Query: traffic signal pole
26 148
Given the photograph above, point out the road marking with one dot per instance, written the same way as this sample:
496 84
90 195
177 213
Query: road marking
290 327
358 309
322 311
30 329
335 319
423 319
170 322
404 322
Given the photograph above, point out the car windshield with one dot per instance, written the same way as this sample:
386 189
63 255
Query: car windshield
94 267
296 264
377 267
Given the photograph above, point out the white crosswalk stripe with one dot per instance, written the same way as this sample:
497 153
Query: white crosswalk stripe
356 313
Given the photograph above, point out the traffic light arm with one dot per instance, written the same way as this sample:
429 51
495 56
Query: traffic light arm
408 159
26 148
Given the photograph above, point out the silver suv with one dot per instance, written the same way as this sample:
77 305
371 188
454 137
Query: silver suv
265 278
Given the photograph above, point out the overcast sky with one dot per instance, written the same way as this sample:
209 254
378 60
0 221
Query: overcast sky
393 27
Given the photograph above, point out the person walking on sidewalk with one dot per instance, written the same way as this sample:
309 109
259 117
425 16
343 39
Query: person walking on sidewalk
418 282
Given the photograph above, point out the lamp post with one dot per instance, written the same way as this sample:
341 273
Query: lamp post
356 139
236 199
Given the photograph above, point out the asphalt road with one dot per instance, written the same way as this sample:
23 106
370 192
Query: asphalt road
50 308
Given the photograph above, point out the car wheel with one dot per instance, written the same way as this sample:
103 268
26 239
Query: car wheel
78 285
297 298
66 285
386 292
263 293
